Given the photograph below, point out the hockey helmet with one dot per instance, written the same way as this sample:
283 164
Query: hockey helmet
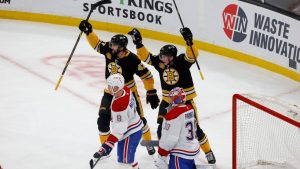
115 80
120 40
168 50
177 96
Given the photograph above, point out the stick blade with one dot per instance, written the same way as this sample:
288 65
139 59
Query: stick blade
206 166
91 163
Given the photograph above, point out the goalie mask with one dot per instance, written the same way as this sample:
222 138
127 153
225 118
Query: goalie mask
113 81
177 96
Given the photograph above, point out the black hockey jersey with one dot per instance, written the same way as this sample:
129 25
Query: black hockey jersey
177 74
128 65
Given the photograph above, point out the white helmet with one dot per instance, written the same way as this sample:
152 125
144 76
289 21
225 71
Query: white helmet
115 80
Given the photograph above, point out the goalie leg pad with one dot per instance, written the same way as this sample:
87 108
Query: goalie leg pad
178 162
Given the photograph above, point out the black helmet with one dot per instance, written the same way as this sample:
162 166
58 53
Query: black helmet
170 50
120 40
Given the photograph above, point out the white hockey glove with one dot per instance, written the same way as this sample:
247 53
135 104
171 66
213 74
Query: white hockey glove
161 162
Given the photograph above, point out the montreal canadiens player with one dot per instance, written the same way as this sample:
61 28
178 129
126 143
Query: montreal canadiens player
178 137
126 124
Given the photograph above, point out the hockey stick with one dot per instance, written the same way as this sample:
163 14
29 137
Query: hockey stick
189 43
153 143
93 7
93 162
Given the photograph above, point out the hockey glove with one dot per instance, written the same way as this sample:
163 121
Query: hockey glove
136 37
85 27
152 98
105 149
161 162
187 35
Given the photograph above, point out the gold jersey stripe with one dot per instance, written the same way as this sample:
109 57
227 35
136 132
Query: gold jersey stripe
146 76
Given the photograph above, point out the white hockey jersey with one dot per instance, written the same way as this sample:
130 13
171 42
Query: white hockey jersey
124 117
179 133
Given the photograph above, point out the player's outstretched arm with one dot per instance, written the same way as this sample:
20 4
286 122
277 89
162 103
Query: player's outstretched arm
87 28
137 39
188 37
148 80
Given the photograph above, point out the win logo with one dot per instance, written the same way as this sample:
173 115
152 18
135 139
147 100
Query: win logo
235 23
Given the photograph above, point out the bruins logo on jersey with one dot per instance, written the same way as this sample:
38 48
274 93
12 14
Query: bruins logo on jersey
170 76
114 68
141 67
108 55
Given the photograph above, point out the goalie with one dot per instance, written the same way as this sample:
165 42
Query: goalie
178 137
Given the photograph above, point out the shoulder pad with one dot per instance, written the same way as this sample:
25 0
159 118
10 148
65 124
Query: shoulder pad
177 111
120 104
181 55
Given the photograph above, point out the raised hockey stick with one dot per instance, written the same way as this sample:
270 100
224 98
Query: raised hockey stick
189 43
93 7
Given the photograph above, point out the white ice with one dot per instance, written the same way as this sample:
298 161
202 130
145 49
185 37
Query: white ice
44 129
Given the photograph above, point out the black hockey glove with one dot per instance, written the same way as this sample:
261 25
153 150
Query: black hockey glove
152 98
187 35
85 27
136 37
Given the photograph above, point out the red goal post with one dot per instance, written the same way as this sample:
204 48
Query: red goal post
261 120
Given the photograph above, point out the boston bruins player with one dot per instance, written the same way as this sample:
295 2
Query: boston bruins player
120 60
174 72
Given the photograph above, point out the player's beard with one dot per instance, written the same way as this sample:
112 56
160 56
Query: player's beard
116 52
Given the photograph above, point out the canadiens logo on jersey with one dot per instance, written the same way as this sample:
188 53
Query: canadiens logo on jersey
170 76
114 68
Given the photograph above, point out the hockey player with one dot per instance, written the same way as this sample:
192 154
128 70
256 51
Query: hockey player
178 136
174 72
120 60
126 125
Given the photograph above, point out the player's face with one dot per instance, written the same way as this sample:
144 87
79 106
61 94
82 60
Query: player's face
166 59
112 90
115 48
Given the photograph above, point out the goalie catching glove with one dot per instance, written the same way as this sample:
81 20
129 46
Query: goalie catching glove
161 162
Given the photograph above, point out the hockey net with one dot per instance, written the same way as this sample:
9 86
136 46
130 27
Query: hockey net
266 133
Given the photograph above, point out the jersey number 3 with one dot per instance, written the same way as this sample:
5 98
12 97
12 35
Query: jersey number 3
191 130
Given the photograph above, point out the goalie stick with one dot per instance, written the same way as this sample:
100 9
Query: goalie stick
93 7
153 143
